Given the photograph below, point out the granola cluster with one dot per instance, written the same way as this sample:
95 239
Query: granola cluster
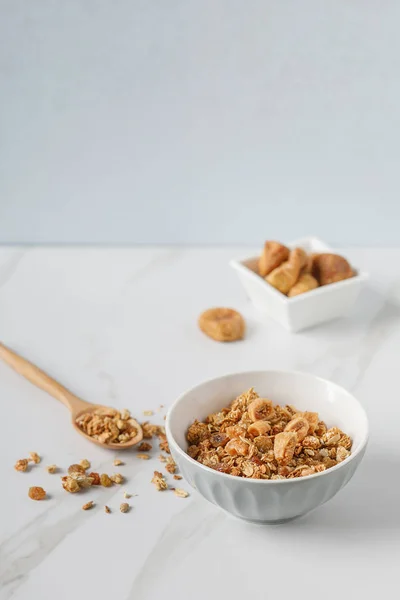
108 425
257 439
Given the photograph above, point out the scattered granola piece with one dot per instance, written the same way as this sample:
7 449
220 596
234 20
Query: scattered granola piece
21 465
144 447
117 478
107 509
73 469
181 493
88 505
34 457
143 456
95 477
159 481
177 477
163 458
163 445
126 495
150 430
36 493
171 465
148 413
124 508
52 469
105 480
117 462
69 484
125 414
85 463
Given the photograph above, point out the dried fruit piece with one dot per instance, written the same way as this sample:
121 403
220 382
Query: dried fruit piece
222 324
36 493
330 268
107 509
181 493
218 439
259 428
52 469
237 447
105 480
273 255
84 463
124 508
118 462
95 478
21 465
299 425
260 409
88 505
34 457
305 283
284 446
159 481
117 478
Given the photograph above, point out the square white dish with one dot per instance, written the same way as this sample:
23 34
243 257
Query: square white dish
305 310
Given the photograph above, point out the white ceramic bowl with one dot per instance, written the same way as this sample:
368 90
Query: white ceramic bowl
305 310
264 500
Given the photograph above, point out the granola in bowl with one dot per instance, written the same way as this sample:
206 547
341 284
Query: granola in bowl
255 438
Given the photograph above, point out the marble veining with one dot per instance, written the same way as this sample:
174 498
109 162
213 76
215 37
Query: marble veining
118 326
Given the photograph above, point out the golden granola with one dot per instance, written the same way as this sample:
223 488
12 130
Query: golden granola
143 456
85 463
255 438
118 462
171 465
124 508
105 480
108 425
159 481
181 493
69 484
144 447
107 509
52 469
34 457
150 430
88 505
148 413
21 465
117 478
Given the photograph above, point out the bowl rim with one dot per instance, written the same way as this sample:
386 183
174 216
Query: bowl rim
180 451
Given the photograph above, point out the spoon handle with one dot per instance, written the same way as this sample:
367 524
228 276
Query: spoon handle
41 380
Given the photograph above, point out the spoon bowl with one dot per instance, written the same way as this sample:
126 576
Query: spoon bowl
76 406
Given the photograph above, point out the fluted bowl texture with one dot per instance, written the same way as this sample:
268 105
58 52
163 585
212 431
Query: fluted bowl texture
265 501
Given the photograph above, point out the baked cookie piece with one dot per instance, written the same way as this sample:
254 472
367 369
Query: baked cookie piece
222 324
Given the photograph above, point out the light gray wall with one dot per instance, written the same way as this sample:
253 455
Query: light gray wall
199 121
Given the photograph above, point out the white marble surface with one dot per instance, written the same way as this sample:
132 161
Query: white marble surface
118 326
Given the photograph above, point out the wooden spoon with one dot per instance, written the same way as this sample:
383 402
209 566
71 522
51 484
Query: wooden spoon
76 405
